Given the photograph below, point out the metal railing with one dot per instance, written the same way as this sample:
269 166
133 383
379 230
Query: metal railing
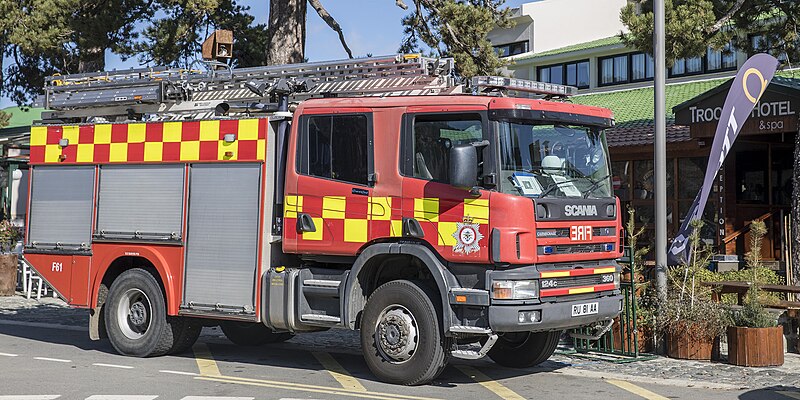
624 339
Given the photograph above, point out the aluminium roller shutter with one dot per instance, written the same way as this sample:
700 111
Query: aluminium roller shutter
140 201
222 242
61 207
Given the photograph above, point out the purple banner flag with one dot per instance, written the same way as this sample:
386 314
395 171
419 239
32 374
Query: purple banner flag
746 89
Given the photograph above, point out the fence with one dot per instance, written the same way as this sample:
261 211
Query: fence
625 338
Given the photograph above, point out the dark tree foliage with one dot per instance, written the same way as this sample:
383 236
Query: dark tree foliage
176 38
43 37
694 25
458 29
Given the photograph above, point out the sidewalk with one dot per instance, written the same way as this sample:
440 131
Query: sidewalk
716 375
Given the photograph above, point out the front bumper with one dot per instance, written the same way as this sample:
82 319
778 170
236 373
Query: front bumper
552 316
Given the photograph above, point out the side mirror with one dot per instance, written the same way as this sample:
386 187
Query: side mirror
464 166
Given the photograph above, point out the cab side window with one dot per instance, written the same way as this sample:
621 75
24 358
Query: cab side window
434 135
336 147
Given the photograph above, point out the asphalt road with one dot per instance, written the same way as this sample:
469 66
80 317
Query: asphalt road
41 362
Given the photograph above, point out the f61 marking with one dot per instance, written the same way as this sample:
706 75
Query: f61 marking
580 233
57 267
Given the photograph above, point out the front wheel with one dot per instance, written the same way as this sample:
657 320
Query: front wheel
400 334
524 349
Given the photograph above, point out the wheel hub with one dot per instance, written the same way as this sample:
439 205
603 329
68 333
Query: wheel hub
134 313
397 333
138 314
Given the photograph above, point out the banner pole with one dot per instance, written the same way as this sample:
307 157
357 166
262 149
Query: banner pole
660 156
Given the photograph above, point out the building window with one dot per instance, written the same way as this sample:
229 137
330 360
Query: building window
762 44
624 68
505 50
721 60
687 66
642 67
614 70
336 147
573 74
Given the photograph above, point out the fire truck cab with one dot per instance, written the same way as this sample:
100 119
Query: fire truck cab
439 226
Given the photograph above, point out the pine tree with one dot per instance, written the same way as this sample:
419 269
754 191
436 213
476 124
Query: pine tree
45 37
458 29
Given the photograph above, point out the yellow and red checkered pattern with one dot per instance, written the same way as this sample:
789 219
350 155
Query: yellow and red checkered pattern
360 219
181 141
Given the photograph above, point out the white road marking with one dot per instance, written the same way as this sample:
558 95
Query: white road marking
8 355
166 371
45 325
113 365
120 397
216 398
52 359
32 397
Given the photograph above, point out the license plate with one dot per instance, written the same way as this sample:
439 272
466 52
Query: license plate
584 309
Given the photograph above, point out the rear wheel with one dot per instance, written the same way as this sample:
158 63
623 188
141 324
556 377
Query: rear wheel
136 316
185 333
524 349
400 334
251 334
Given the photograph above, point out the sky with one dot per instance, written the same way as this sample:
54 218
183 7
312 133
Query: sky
370 27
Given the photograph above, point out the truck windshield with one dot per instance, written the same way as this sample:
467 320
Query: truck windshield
539 159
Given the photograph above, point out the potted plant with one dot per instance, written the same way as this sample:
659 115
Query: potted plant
688 318
9 234
754 339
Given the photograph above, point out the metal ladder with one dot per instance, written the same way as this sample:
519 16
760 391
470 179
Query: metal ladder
175 93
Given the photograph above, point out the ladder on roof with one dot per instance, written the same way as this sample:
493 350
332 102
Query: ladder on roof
177 93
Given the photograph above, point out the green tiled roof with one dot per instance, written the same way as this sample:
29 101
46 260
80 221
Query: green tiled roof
22 116
575 47
636 105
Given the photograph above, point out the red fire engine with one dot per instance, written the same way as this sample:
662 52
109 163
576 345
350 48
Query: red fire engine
372 194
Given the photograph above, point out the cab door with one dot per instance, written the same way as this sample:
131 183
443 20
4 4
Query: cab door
454 221
334 182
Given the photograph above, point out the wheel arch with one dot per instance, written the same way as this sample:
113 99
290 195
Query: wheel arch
367 274
115 263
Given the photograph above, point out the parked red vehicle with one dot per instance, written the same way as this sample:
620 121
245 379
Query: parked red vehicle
440 225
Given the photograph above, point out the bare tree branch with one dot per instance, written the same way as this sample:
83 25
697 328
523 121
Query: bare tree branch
401 4
326 16
725 18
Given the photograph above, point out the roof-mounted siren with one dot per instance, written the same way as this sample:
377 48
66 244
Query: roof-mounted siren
218 46
503 84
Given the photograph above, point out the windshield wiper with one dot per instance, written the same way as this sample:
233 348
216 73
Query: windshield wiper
555 185
595 184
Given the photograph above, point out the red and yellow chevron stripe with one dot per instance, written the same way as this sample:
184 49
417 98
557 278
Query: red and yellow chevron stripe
180 141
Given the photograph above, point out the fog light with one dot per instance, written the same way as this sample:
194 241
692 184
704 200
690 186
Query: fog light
609 246
547 250
527 317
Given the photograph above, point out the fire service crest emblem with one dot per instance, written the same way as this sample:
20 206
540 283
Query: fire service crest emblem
467 236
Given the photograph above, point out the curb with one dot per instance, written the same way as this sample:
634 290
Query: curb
577 372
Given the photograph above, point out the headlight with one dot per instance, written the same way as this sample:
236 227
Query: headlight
616 280
515 290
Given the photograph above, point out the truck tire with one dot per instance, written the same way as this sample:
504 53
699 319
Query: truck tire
524 349
136 316
185 332
401 335
251 334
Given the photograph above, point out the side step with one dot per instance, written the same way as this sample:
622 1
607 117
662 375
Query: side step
469 354
320 318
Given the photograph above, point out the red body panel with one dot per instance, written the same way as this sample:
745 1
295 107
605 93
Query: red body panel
167 259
